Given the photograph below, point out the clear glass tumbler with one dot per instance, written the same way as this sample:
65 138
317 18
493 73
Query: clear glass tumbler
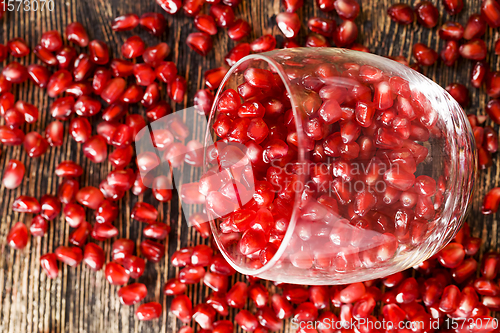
331 166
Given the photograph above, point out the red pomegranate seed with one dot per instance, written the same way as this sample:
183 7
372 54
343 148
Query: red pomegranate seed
292 6
205 23
90 197
66 57
95 149
51 40
45 55
79 236
17 237
153 251
157 231
62 108
453 7
236 297
148 311
59 82
39 226
11 136
13 174
49 264
68 169
144 74
174 287
51 207
18 47
74 214
465 270
451 31
116 274
345 33
401 13
237 53
132 294
80 129
263 44
200 42
76 33
134 266
26 204
246 320
459 92
133 47
14 72
239 30
29 111
200 222
13 118
267 319
113 90
67 190
177 89
103 231
39 74
491 201
193 7
490 11
182 308
154 55
155 23
122 248
490 265
474 49
450 53
424 55
35 144
258 294
475 28
71 256
125 22
321 26
99 53
83 67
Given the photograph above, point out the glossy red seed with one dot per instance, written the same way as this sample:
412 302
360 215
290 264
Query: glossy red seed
451 31
49 264
177 89
99 52
93 256
90 197
490 11
200 42
116 274
17 238
401 13
39 226
321 26
66 57
154 23
474 49
237 53
59 82
132 294
345 33
174 287
18 47
475 27
26 204
236 297
182 308
153 251
134 266
125 22
76 33
424 55
13 174
50 207
45 55
263 44
79 236
39 74
71 256
14 72
95 149
148 311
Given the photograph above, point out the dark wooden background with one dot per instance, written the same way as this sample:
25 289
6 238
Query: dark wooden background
80 300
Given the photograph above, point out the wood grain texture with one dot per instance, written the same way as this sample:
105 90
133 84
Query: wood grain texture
81 301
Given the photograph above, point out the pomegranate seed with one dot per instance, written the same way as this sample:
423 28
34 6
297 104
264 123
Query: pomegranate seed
424 55
133 47
182 308
321 26
113 90
74 214
451 31
101 79
491 201
99 53
26 204
474 49
246 320
51 207
14 118
76 33
204 315
79 89
125 22
148 311
490 11
132 294
154 55
116 274
174 287
401 13
45 55
345 33
80 129
83 67
267 319
453 7
450 53
18 47
71 256
200 42
193 7
39 74
289 24
11 136
67 190
177 89
157 231
465 270
263 44
258 294
90 197
155 23
17 237
237 53
95 149
13 174
236 297
153 251
59 82
134 266
39 226
475 28
66 57
51 40
239 29
49 264
14 72
79 236
293 5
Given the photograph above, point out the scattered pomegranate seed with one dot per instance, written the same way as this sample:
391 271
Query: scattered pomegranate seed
49 264
401 13
13 174
125 22
17 237
148 311
76 33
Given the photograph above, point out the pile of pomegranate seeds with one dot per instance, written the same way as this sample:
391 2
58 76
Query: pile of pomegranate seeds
442 288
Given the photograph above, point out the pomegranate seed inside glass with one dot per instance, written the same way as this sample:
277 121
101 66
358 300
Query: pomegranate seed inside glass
325 166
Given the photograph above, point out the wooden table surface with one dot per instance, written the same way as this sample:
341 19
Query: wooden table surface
80 300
